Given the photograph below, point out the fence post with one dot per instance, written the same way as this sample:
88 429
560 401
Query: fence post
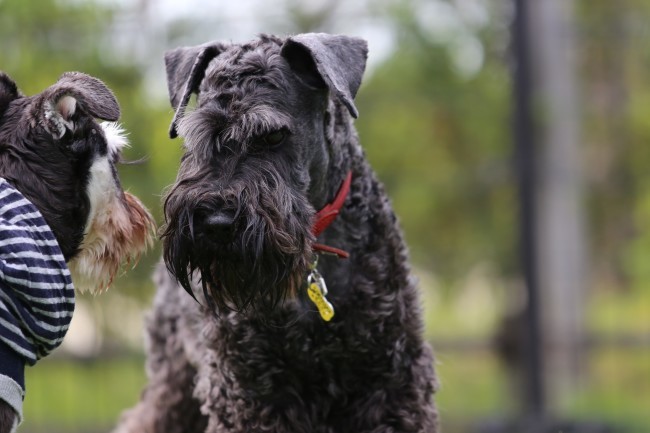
525 162
560 226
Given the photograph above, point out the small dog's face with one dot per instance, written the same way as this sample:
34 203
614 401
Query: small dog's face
256 163
56 154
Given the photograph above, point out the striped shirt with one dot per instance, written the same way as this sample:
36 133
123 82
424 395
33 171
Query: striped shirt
36 292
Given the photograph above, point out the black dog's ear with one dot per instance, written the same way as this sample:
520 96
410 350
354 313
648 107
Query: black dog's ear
333 61
8 92
185 68
74 90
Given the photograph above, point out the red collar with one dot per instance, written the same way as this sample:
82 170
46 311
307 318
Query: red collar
326 216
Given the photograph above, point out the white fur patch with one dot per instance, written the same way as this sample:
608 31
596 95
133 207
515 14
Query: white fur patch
102 189
115 137
119 228
105 204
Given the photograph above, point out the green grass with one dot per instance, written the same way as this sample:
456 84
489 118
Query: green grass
616 389
72 396
80 396
88 397
473 387
615 312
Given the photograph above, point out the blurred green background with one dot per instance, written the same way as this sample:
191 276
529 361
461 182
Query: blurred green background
435 119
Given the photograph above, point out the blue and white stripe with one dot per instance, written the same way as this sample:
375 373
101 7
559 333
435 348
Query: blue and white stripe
36 291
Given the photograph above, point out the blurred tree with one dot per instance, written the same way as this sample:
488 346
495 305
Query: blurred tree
438 136
306 19
616 97
435 114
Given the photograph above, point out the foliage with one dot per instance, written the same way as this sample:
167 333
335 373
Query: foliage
617 131
440 142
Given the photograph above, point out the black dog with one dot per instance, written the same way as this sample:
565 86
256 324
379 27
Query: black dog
273 177
62 202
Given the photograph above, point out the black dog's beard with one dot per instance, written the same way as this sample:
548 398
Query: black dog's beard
263 263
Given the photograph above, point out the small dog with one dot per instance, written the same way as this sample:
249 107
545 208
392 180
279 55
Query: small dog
273 177
61 201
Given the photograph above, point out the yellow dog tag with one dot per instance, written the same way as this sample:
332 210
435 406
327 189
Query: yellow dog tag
317 290
325 309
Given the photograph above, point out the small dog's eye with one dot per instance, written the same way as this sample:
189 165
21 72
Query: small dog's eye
275 138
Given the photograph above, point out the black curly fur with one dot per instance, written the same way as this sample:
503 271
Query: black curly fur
279 367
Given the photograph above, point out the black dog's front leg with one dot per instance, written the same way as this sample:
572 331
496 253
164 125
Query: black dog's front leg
7 417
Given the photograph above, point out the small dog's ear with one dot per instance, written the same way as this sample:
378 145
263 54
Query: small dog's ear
185 68
91 93
8 92
76 90
333 61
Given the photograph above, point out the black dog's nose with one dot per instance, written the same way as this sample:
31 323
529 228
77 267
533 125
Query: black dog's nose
219 223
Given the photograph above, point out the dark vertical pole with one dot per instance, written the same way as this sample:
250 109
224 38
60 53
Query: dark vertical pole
525 169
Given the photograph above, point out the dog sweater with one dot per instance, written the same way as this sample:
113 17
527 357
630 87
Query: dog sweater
36 292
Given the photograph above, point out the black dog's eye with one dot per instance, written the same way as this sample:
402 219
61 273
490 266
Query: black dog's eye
275 138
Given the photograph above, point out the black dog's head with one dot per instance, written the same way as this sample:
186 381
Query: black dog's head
56 154
257 162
